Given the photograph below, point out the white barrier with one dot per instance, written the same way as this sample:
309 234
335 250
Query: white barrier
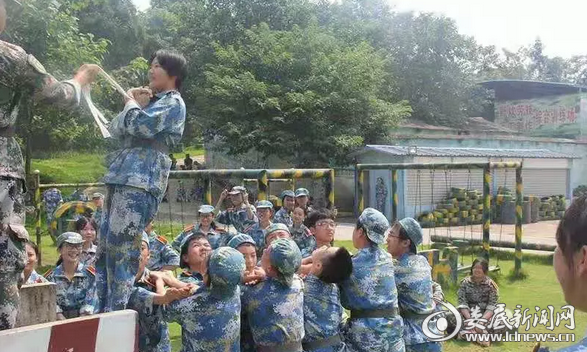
109 332
37 304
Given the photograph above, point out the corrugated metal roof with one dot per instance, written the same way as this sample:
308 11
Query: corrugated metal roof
471 152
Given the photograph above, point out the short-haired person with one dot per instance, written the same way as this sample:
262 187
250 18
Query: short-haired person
275 306
161 255
413 279
257 230
323 312
210 318
370 292
302 199
206 226
147 298
253 274
301 234
194 251
242 215
288 204
137 174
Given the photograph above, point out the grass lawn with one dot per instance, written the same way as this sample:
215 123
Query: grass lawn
82 167
540 289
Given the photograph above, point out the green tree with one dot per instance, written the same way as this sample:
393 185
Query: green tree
116 21
299 94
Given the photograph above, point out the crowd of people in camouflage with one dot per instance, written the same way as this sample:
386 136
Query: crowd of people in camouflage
251 279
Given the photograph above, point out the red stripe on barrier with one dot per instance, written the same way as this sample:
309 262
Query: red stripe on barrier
77 336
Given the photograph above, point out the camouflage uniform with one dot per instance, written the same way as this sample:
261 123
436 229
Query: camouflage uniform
322 316
153 330
161 253
258 235
23 80
77 296
210 318
414 286
52 199
413 278
304 239
215 237
88 256
371 290
275 307
136 180
283 217
35 278
237 218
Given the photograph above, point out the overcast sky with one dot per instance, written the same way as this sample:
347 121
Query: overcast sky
508 23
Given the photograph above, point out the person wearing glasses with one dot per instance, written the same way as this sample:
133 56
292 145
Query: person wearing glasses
76 283
370 292
413 278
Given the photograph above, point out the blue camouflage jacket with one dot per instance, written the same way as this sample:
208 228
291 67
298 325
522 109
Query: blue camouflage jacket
162 121
237 218
161 253
209 323
413 279
153 330
79 293
371 286
322 312
282 216
275 312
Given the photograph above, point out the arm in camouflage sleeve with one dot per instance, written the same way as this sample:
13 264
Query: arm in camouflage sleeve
48 90
170 258
147 123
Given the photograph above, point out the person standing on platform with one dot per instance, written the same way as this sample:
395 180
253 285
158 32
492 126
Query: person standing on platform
137 175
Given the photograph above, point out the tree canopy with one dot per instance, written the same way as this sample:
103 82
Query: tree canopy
305 80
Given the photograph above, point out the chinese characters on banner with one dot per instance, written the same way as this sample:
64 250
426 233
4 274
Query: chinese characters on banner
529 114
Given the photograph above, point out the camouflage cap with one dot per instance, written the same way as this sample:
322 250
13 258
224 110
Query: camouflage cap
276 227
413 231
69 237
286 258
206 209
97 195
264 204
302 192
237 190
225 268
241 239
287 193
375 224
